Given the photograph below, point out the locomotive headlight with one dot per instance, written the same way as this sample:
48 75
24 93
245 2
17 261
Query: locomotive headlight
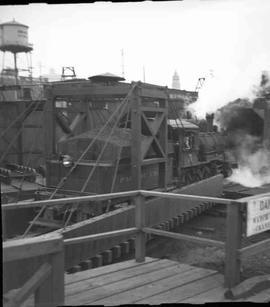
66 160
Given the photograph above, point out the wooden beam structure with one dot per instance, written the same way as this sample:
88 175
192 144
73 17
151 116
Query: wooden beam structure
149 118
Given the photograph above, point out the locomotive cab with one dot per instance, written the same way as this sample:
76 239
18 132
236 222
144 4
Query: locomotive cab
184 137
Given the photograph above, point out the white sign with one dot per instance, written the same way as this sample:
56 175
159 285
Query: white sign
258 215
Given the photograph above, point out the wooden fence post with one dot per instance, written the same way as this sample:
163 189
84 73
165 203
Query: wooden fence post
52 292
233 243
58 275
140 240
3 225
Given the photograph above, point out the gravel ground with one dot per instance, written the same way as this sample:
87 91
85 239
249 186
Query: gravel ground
212 226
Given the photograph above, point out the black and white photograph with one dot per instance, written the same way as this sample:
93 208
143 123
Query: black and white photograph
135 152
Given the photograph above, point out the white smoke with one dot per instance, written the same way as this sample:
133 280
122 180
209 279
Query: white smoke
253 164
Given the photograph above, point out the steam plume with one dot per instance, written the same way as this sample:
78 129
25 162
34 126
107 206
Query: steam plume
253 162
245 139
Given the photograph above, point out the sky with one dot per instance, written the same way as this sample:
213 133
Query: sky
225 41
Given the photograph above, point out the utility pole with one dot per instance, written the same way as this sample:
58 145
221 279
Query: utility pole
40 70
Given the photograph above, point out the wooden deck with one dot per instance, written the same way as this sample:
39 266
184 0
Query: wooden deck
155 281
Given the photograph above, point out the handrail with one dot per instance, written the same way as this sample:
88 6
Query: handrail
181 236
254 248
99 197
102 235
187 197
60 201
233 251
30 247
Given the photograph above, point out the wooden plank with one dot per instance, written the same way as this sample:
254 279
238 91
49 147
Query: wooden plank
49 125
233 243
178 294
183 275
116 195
181 236
76 289
31 285
78 90
31 247
27 303
212 295
136 127
49 224
154 109
105 288
189 197
116 267
254 249
51 293
57 278
69 200
153 92
140 240
163 140
43 295
102 235
153 161
4 227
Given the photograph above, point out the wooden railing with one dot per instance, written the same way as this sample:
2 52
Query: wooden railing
34 266
233 251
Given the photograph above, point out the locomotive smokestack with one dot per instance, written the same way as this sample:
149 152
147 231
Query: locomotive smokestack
209 121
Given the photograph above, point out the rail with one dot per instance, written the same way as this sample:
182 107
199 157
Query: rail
233 251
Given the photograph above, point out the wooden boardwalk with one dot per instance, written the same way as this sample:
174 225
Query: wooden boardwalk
155 281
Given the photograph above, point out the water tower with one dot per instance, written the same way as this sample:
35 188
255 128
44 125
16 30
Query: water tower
14 39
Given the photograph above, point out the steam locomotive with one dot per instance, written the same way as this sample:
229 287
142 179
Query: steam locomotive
192 156
76 112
